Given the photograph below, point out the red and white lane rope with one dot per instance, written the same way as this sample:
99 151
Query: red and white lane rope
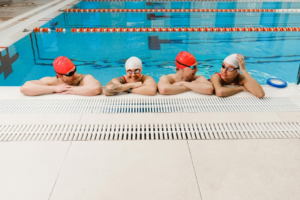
205 29
180 10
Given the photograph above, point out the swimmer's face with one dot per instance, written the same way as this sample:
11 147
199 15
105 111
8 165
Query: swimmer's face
188 74
226 74
134 75
70 80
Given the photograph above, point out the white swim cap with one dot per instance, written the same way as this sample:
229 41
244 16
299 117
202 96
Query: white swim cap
232 60
133 63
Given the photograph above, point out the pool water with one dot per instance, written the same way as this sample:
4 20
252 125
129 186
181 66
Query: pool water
103 54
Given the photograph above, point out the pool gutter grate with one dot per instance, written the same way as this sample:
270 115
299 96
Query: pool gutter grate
118 132
149 105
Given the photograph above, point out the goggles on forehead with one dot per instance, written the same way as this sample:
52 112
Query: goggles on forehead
136 71
69 73
192 67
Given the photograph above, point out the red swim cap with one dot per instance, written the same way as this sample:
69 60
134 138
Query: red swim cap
184 58
62 65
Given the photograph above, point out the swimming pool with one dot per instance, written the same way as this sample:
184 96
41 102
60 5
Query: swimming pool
103 54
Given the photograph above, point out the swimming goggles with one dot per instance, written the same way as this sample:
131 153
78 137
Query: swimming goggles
69 73
192 67
229 69
135 71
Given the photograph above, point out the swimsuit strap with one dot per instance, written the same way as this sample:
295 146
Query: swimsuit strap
124 79
219 74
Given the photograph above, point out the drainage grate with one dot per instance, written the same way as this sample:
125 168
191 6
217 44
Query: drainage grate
149 105
196 131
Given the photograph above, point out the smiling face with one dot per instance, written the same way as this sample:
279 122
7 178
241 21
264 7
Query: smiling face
134 75
226 74
70 80
188 74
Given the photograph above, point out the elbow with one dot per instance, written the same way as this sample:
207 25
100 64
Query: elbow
219 93
209 91
163 90
260 95
25 90
106 93
97 90
152 92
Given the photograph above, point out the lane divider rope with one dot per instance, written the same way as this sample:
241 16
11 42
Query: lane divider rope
180 10
200 29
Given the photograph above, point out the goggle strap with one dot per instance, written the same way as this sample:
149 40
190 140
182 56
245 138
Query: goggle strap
182 63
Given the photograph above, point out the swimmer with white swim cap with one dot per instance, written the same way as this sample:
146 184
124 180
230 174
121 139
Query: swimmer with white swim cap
133 81
229 75
67 81
185 78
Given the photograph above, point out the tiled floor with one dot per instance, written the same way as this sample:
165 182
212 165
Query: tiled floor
203 170
29 170
127 170
13 8
256 169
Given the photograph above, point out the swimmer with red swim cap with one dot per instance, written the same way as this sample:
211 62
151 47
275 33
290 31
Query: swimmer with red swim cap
67 81
133 81
185 78
229 75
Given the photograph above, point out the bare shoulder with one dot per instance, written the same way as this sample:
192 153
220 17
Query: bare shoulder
167 78
119 79
116 80
215 77
200 79
147 78
87 79
47 81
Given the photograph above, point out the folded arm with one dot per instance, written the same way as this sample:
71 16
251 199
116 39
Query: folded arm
165 87
117 85
201 85
38 87
222 91
148 87
90 87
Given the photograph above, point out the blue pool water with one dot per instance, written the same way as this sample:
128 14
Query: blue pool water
103 54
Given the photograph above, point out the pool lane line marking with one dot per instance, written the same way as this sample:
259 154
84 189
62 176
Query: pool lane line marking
181 10
178 29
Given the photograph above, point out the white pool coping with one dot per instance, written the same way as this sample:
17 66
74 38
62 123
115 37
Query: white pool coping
13 30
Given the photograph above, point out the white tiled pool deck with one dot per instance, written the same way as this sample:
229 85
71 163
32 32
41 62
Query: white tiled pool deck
186 169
